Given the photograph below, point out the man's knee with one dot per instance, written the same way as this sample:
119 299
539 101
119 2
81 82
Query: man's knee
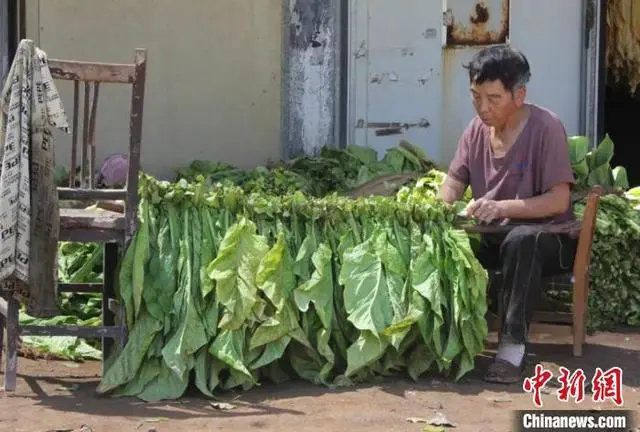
520 239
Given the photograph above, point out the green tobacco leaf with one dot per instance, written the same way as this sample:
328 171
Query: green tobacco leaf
271 353
207 369
367 349
581 169
160 285
190 334
275 328
234 271
412 158
578 148
125 282
395 159
229 348
427 281
366 155
301 266
275 274
600 176
208 251
367 296
319 288
149 370
620 177
166 386
603 154
140 257
126 366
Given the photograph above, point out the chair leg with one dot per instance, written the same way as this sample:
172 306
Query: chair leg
585 315
579 317
108 292
11 359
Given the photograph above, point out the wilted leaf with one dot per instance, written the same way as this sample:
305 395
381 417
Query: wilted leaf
417 420
441 420
224 406
502 398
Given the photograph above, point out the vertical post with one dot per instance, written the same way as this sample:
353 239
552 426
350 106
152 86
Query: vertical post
135 132
13 333
312 84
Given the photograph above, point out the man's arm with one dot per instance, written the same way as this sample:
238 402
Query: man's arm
554 202
458 175
451 190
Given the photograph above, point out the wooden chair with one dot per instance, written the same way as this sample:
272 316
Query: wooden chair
113 229
584 230
580 276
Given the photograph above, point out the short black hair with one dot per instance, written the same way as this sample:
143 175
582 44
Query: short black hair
500 62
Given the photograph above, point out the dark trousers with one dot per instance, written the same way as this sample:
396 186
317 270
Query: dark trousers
524 257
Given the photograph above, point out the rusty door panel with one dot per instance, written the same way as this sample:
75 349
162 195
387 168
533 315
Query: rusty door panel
476 22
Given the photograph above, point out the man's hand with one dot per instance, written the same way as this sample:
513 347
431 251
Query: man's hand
486 210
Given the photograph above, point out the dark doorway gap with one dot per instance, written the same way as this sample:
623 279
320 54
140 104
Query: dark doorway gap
622 123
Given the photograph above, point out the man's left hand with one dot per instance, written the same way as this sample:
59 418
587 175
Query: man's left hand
486 210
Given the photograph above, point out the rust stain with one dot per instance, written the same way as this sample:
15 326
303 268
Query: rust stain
478 31
482 14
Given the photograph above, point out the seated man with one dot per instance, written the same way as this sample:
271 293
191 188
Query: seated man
515 157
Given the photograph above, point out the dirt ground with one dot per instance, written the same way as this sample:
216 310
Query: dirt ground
59 396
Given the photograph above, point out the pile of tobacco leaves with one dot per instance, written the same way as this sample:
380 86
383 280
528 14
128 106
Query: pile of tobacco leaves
321 180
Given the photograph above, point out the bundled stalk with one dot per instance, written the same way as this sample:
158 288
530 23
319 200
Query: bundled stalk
237 289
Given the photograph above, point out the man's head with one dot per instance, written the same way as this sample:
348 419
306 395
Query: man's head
498 77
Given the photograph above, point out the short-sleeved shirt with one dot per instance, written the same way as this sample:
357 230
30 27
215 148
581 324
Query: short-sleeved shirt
538 160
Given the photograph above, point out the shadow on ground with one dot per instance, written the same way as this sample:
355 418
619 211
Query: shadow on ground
72 391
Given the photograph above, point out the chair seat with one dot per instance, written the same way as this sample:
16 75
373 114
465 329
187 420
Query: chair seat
91 225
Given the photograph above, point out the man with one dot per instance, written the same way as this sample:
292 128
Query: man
514 155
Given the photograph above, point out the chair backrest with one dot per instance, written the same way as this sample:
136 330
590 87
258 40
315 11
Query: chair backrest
587 231
92 74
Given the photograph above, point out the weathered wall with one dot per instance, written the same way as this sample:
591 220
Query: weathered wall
214 81
311 75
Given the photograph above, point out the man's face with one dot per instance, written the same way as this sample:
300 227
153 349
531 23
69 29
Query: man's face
495 104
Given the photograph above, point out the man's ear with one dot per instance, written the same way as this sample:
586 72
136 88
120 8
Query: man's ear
520 96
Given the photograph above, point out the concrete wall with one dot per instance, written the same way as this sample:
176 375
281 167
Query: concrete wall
214 75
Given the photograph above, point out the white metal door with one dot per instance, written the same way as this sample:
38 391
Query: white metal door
395 90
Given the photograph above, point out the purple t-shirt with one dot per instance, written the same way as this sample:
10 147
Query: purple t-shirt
538 160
